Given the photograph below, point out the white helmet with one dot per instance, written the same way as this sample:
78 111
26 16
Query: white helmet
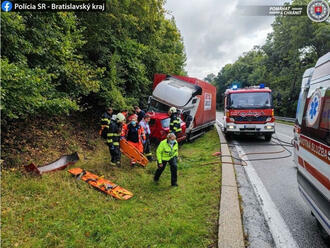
172 110
120 117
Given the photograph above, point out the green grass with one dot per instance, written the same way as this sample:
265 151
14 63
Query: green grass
59 211
285 122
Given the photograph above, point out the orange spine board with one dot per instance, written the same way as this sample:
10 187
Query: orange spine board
102 184
133 153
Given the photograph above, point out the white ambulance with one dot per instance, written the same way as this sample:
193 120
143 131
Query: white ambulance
312 140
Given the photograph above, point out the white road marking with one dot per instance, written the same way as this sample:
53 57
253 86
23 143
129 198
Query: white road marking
280 231
220 123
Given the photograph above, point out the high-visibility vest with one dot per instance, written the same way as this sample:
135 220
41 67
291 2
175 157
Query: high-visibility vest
165 152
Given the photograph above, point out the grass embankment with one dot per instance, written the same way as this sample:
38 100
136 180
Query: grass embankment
285 122
59 211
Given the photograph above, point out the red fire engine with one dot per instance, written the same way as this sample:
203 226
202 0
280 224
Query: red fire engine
249 110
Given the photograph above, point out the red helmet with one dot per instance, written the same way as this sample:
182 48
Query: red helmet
132 117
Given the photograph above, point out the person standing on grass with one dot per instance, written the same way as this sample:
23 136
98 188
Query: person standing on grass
135 135
167 152
125 112
113 138
105 121
175 122
146 148
140 113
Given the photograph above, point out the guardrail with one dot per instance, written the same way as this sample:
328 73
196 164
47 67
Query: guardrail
285 119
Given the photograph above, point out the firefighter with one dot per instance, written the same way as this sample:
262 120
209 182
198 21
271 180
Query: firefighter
113 138
175 123
167 152
146 148
140 113
134 135
105 121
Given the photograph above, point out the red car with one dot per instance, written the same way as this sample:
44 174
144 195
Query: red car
160 126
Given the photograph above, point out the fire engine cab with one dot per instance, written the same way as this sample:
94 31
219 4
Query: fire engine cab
312 140
249 110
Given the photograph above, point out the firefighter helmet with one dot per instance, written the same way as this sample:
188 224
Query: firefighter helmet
120 117
172 110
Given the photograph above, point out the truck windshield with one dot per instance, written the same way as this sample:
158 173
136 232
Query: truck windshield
166 122
158 106
249 100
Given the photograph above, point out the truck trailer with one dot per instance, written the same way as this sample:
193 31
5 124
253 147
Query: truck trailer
194 99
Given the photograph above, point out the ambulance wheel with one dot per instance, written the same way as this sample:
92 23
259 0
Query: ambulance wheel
268 137
325 236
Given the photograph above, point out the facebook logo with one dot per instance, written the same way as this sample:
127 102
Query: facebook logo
6 6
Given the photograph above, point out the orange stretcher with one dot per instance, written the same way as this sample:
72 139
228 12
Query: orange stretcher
131 152
101 184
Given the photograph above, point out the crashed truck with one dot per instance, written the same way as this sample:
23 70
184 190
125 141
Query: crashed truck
194 99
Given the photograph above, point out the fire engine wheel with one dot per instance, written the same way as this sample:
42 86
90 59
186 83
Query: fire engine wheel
228 136
268 137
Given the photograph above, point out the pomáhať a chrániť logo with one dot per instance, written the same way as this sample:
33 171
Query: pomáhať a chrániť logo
318 10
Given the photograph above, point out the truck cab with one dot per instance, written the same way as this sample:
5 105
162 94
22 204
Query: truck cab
312 139
194 99
249 111
171 92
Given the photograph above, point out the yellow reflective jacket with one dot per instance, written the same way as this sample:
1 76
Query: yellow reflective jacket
165 152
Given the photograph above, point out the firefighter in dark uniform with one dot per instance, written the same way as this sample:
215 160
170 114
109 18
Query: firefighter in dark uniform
113 138
105 122
175 122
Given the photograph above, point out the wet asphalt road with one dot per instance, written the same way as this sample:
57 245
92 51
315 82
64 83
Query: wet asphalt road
279 179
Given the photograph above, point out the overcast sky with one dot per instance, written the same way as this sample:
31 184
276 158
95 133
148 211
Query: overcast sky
214 33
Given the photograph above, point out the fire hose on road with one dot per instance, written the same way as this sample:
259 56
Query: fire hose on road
243 162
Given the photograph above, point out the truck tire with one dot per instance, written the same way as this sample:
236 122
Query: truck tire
268 137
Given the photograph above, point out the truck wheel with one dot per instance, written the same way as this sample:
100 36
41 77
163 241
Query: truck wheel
268 137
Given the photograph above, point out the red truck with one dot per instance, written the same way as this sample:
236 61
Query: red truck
193 98
249 110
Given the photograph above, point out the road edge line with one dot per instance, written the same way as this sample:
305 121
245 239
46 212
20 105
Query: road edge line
230 233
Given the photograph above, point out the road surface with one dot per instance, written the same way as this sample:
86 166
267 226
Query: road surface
284 219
